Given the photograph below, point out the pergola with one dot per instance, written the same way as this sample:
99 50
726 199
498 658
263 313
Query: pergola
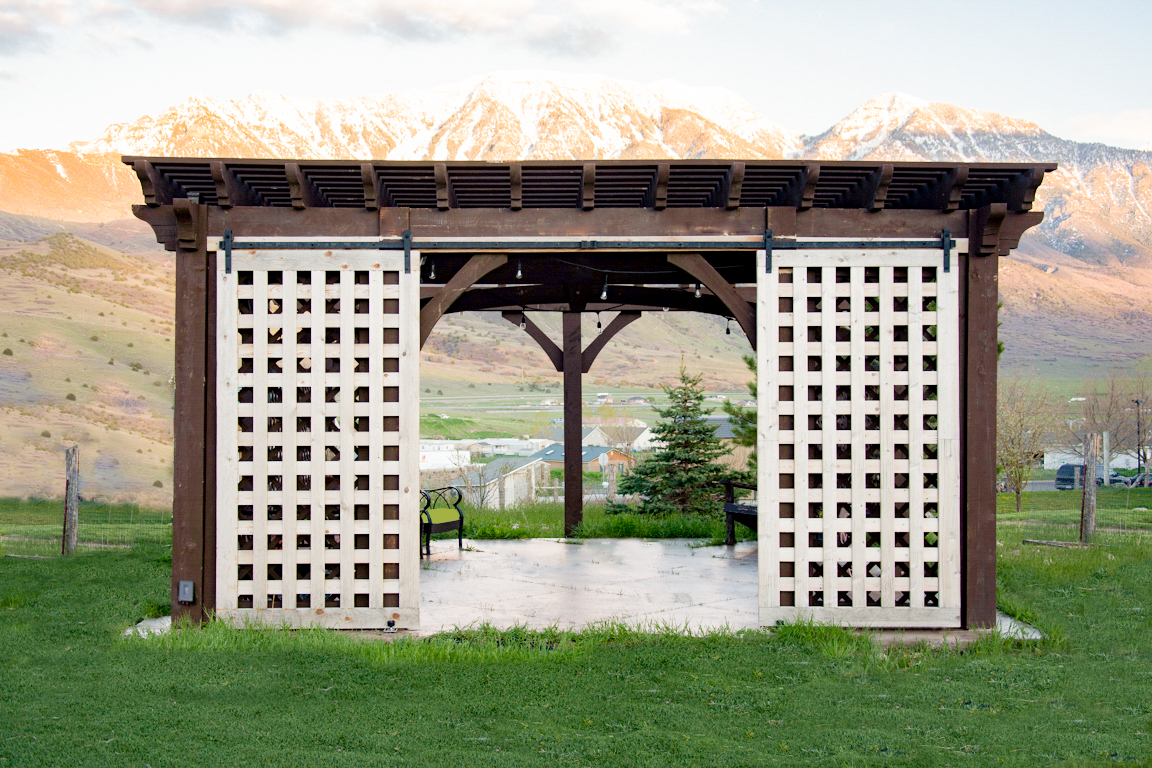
728 238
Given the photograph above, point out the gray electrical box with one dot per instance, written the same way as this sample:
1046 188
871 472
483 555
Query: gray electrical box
185 593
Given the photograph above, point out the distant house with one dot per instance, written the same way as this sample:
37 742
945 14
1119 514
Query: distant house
737 457
588 435
594 458
503 483
508 446
442 454
604 398
637 401
634 439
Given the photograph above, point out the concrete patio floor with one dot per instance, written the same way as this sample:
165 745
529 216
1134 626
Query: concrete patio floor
570 584
544 582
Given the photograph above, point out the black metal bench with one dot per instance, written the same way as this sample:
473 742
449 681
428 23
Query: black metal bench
439 513
745 514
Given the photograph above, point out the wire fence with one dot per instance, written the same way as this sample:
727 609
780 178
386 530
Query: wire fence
1119 510
34 527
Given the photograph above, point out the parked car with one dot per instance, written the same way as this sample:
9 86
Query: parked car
1142 480
1068 477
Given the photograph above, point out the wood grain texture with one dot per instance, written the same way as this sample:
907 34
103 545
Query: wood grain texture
573 423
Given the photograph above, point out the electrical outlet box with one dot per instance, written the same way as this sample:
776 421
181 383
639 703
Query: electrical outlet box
186 592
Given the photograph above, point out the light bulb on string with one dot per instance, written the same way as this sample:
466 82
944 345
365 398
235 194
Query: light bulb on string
432 271
697 290
728 327
599 329
523 322
604 291
519 271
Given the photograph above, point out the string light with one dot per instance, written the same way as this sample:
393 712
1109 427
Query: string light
599 330
728 327
523 322
665 309
604 290
697 290
519 271
432 271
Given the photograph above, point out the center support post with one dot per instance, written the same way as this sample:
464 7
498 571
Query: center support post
573 423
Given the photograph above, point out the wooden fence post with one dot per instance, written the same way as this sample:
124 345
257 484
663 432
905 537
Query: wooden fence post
1088 510
71 500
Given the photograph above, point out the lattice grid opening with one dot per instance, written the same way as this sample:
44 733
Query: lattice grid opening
859 438
317 397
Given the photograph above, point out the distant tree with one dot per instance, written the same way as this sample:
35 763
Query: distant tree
743 420
1028 416
682 476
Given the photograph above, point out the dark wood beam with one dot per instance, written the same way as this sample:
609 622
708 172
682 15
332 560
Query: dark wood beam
698 267
660 193
554 353
304 193
477 266
588 186
231 191
156 188
877 195
808 193
984 229
556 299
573 424
733 183
188 220
373 191
1022 191
588 356
953 188
443 193
515 179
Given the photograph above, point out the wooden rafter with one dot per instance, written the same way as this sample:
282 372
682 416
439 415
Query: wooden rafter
588 356
698 267
554 353
465 277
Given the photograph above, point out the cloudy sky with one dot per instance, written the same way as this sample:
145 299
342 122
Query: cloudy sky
68 68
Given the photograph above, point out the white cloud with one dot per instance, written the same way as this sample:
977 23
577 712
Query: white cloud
25 23
566 27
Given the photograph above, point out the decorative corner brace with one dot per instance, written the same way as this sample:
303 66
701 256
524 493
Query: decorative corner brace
226 243
947 242
406 237
768 251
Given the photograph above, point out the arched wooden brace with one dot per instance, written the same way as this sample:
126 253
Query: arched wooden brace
698 267
467 276
555 354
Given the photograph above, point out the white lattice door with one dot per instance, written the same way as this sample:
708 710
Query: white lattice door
859 438
317 476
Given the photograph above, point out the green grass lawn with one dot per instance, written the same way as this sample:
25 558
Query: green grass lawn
1118 508
73 691
34 526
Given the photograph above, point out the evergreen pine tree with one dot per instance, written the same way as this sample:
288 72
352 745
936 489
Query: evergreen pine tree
682 476
743 421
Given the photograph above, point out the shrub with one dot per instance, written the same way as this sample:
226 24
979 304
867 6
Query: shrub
45 433
157 484
69 396
8 352
94 337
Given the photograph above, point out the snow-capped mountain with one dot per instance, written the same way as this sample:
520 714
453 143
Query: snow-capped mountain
1098 202
496 118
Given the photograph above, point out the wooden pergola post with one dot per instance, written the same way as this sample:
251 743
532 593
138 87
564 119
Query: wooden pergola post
573 424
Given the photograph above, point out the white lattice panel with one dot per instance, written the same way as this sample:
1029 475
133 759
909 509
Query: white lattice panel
859 481
317 403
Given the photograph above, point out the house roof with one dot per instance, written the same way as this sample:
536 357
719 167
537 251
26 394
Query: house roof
556 432
555 452
723 426
503 467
